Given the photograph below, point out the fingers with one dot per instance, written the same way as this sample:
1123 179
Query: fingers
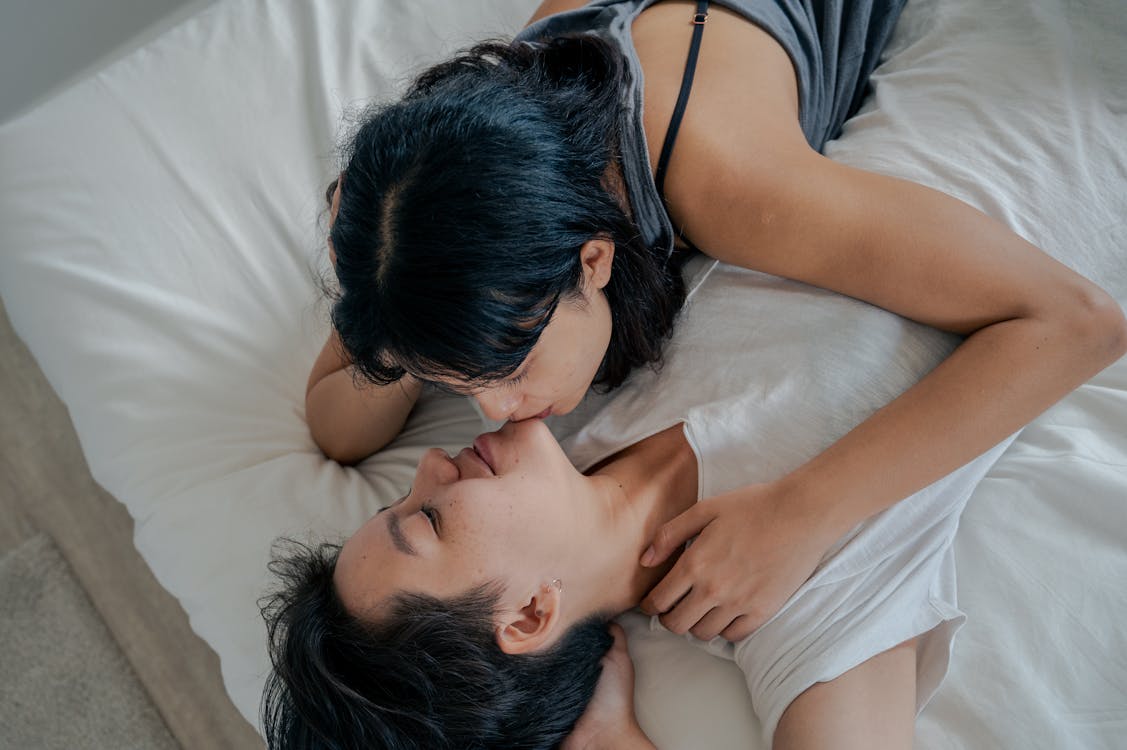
618 658
741 628
676 532
715 621
668 591
694 607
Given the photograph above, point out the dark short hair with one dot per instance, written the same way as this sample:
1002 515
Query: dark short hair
465 204
428 675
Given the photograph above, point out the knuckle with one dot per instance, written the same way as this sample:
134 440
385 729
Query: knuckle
672 625
735 633
704 634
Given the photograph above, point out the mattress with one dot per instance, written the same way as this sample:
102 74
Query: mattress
162 247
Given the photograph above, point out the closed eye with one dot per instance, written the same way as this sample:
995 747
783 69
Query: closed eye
518 378
432 516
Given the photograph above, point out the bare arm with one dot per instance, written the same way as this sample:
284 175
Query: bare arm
744 184
609 722
1035 329
350 420
747 187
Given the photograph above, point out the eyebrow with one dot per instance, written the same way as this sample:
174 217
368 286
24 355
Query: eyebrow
397 537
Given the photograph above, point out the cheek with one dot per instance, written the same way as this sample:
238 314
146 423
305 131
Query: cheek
504 514
494 551
580 346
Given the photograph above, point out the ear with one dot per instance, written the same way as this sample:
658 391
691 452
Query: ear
597 257
530 626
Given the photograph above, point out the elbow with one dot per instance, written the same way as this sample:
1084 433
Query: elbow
339 453
343 449
1097 327
338 445
333 441
323 439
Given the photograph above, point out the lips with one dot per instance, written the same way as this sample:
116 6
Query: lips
481 450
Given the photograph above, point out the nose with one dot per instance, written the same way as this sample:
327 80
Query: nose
499 403
436 468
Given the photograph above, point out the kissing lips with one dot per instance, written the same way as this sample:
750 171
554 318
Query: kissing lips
481 450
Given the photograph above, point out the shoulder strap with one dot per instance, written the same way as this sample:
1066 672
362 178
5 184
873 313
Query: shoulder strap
683 98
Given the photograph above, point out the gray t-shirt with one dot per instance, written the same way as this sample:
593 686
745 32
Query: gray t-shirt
834 46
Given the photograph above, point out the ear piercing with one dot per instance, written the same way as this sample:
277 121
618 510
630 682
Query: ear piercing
556 584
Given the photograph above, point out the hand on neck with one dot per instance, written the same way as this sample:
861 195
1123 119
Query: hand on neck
643 486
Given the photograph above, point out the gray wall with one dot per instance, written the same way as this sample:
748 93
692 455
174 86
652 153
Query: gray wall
46 45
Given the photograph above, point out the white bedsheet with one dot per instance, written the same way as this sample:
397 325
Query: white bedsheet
159 240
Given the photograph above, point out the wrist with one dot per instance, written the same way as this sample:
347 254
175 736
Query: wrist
816 510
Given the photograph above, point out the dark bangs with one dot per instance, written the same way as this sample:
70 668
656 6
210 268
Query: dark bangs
464 208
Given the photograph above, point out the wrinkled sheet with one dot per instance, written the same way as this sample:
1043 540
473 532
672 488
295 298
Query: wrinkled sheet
162 233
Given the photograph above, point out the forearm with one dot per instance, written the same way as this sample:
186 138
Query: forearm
997 381
351 421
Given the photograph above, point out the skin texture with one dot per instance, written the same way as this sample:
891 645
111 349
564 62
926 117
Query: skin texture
872 705
557 374
350 419
610 721
514 510
744 185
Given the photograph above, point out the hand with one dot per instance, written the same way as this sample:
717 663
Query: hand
609 720
752 552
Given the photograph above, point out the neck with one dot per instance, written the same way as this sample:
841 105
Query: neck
648 484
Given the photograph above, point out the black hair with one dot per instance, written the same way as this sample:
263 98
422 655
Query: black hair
426 675
465 204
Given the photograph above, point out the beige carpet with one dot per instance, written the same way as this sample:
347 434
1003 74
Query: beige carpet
65 683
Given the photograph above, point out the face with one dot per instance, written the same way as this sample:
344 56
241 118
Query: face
557 373
510 509
559 370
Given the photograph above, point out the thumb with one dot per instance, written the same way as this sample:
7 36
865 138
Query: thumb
672 534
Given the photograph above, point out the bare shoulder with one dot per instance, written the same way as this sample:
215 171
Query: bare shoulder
745 186
743 111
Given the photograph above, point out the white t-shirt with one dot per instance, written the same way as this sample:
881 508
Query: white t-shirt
766 373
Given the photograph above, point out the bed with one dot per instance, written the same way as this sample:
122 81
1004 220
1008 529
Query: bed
162 245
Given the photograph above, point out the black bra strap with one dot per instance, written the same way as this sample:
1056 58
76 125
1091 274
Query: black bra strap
683 98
